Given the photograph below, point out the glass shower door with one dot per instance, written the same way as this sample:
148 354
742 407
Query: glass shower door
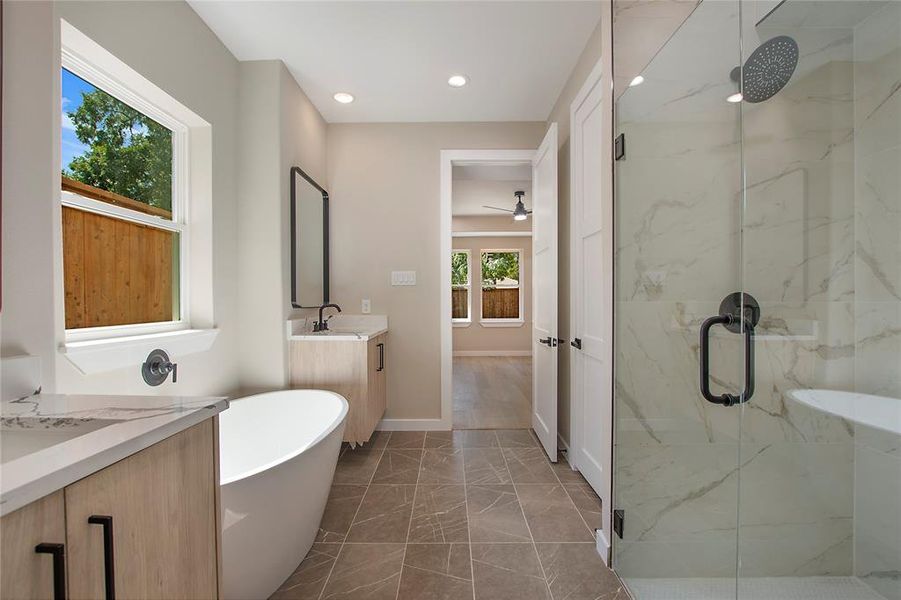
820 493
677 209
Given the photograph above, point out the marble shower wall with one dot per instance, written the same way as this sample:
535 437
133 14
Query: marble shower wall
877 306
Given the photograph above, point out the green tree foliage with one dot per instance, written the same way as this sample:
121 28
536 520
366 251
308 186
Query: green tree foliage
459 269
498 266
129 153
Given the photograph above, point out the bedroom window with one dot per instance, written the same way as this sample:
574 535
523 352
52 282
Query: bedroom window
501 273
461 286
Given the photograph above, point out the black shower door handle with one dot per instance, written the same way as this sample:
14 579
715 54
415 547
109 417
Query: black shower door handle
724 399
748 330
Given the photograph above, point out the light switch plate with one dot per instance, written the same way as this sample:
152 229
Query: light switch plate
403 277
366 307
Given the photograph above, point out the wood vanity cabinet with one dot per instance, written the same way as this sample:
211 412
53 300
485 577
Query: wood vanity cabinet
356 369
25 573
157 508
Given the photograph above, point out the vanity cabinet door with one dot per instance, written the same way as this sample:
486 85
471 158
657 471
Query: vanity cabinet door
163 502
27 574
378 370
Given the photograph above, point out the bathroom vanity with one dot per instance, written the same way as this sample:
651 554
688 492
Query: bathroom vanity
350 358
110 495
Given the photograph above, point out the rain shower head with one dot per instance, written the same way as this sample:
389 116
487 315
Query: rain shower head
768 69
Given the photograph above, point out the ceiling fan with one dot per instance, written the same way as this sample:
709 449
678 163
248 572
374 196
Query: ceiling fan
519 211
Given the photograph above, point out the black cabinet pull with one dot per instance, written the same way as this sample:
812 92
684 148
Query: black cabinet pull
109 571
58 551
546 341
381 348
576 343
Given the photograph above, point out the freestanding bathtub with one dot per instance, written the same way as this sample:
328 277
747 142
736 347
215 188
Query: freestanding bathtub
277 456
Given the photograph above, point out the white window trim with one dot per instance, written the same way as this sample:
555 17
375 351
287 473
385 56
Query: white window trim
489 322
194 330
97 77
468 320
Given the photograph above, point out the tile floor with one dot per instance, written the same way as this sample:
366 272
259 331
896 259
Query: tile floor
474 515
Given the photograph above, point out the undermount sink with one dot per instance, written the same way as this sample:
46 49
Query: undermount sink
341 327
878 412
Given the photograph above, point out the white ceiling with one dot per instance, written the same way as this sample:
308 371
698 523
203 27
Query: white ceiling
493 185
395 57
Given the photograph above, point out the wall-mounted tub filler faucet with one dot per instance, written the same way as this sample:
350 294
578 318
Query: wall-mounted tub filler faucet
157 367
322 324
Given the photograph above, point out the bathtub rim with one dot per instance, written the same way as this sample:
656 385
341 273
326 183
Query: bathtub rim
334 424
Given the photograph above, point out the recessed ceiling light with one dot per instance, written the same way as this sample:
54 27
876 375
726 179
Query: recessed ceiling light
343 97
457 81
637 81
737 97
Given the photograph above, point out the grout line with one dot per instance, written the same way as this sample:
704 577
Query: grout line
403 560
573 502
356 512
528 527
472 573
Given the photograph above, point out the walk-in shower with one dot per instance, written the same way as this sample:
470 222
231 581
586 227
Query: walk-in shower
762 459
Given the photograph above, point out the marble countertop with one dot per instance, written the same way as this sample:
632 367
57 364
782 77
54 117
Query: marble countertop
48 441
344 328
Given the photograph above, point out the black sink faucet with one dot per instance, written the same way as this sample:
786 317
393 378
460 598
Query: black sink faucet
322 324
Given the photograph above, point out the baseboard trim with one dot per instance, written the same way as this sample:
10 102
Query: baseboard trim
492 353
602 546
412 425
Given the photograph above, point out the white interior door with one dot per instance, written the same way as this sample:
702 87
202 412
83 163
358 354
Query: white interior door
544 292
591 231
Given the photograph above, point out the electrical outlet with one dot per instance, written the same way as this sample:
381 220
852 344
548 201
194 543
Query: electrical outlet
366 308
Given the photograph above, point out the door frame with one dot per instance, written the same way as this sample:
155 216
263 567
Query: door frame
448 159
598 77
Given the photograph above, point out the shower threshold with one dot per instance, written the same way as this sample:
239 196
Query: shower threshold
752 588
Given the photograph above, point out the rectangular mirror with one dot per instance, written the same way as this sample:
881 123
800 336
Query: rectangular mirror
309 241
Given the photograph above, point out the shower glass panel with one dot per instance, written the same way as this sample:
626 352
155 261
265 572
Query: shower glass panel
820 493
763 161
677 213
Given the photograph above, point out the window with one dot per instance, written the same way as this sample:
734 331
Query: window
501 292
123 226
461 286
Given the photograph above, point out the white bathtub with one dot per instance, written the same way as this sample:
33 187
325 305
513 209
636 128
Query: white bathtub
277 456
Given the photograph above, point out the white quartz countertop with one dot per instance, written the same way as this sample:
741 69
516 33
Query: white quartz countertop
49 441
343 328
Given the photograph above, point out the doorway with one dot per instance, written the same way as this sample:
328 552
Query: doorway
489 367
491 293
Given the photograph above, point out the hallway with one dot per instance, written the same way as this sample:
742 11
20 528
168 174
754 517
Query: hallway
492 392
455 515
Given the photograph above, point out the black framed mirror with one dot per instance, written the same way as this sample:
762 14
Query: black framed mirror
309 241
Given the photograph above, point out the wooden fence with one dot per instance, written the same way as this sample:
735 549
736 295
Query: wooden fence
499 303
116 272
458 304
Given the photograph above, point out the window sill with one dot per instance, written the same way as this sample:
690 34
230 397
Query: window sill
461 322
502 323
108 354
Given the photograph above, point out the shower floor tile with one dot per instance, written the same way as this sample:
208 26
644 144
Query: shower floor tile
755 588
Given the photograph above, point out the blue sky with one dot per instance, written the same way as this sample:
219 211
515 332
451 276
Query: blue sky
72 89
